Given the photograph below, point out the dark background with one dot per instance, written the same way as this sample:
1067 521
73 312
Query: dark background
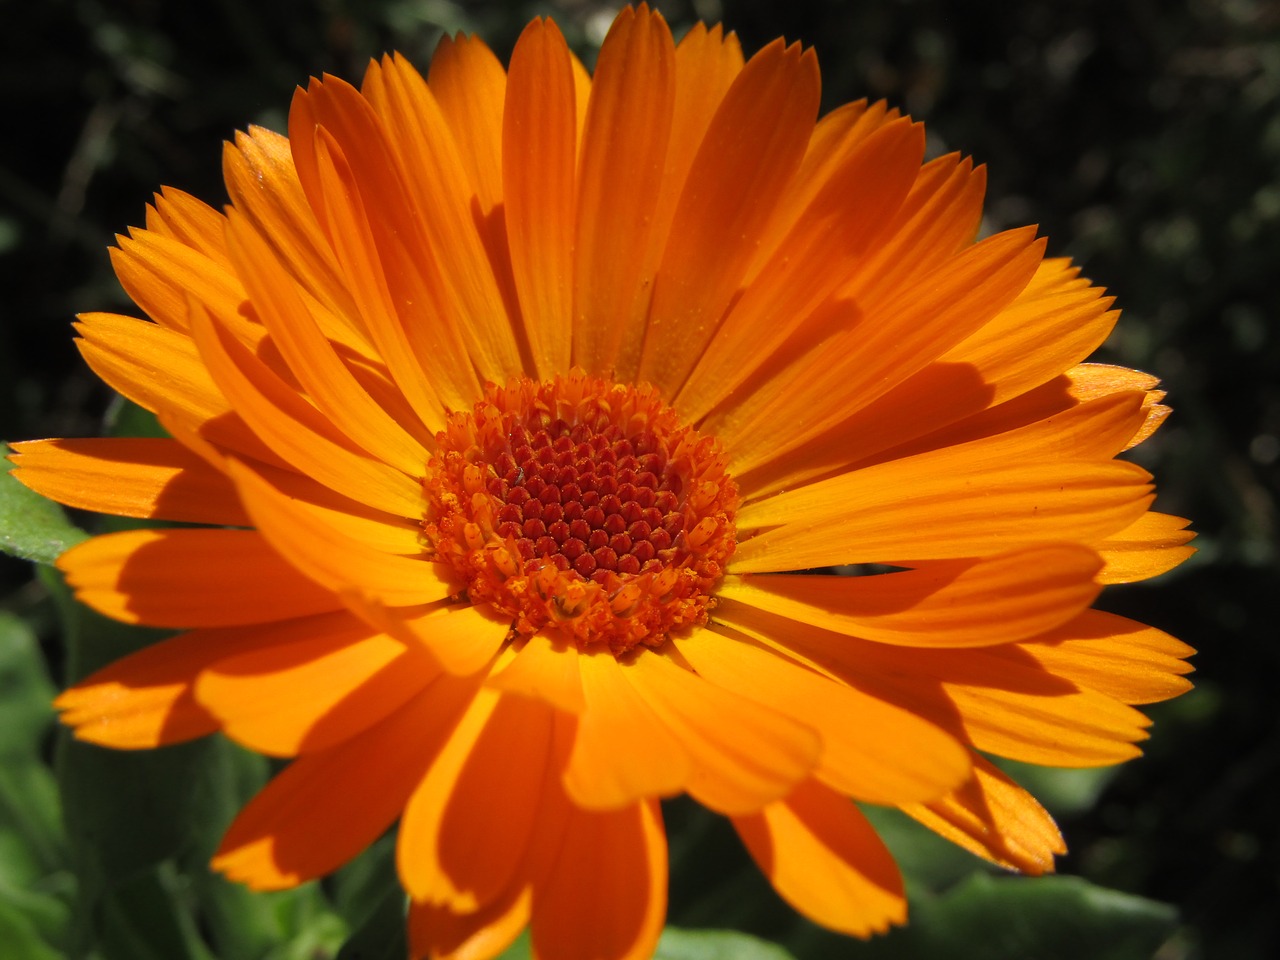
1143 137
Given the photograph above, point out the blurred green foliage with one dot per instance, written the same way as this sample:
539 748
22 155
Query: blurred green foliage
1143 137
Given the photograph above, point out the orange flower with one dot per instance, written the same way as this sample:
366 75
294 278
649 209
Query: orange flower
511 402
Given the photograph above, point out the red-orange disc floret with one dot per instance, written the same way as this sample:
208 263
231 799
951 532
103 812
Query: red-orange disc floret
582 505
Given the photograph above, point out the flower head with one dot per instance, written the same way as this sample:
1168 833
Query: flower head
517 409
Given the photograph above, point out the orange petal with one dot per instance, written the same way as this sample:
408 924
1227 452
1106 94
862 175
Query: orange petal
153 478
179 216
987 496
300 827
465 830
370 527
161 371
998 699
462 637
994 818
622 751
835 138
1074 388
146 699
303 697
624 150
545 668
871 749
752 148
299 433
263 185
190 578
330 556
607 895
540 120
707 62
744 754
443 934
423 349
438 182
948 603
1153 544
160 274
825 859
312 358
1123 659
864 349
938 221
812 260
470 86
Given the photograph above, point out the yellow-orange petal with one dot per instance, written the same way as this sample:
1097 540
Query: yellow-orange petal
835 138
368 526
744 753
915 508
752 148
540 120
313 359
706 62
470 86
1075 387
1005 703
298 433
438 183
871 749
355 183
331 557
1153 544
303 697
161 371
129 477
863 349
177 215
1130 661
998 699
160 274
994 818
812 260
545 667
462 637
465 830
607 896
190 578
949 603
299 827
622 750
624 143
939 220
438 933
826 860
147 698
262 182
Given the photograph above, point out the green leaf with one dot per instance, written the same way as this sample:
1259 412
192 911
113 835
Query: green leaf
360 888
149 918
20 938
25 690
382 934
716 945
32 843
1049 917
32 527
1013 918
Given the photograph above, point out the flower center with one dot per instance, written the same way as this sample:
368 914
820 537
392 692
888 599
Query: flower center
584 506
